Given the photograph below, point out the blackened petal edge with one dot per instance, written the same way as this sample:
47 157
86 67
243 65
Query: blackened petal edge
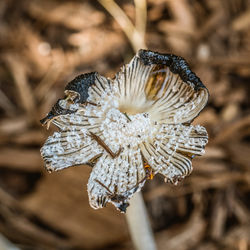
177 65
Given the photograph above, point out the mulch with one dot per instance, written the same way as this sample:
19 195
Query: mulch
44 44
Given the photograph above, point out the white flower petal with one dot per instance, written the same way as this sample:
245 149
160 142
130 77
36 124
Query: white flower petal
69 148
165 88
87 90
78 120
171 152
129 86
121 126
115 180
99 90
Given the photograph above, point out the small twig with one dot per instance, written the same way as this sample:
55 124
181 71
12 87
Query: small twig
105 146
19 73
134 36
6 104
141 17
127 116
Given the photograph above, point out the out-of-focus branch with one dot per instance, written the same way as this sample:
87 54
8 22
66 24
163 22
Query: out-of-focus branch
135 37
141 17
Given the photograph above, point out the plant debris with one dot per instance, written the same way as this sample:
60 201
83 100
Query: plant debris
44 44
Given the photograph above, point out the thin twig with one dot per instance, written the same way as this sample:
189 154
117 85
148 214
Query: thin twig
19 73
127 116
141 17
105 146
135 38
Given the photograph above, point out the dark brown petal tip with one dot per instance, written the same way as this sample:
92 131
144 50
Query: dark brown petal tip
123 207
76 91
56 111
81 85
176 64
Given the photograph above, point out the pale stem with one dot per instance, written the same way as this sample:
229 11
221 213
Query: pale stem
138 224
5 244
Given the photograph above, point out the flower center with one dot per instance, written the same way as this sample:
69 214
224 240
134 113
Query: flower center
132 109
126 130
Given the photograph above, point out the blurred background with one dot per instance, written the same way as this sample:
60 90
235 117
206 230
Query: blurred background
46 43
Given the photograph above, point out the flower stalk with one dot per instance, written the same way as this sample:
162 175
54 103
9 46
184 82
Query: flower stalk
139 225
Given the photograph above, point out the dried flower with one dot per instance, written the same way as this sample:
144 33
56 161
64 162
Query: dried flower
129 128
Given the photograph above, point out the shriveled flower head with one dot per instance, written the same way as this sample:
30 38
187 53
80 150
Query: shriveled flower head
129 128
